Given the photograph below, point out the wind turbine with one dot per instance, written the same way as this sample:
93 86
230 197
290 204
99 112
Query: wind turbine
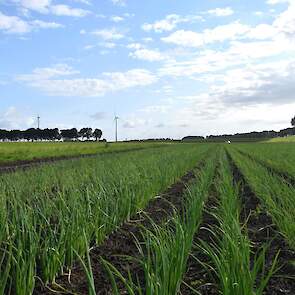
38 121
116 128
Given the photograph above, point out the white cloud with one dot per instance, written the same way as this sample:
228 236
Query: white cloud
135 46
227 11
129 124
273 2
41 6
109 34
147 39
156 109
169 23
45 25
65 10
262 31
98 116
285 23
87 2
15 25
283 27
134 122
12 118
185 38
54 81
147 54
57 70
217 34
89 47
109 45
272 83
140 52
253 86
46 7
117 18
238 54
119 2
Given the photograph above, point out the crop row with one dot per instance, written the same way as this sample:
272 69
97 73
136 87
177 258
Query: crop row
50 216
11 152
279 156
278 196
47 214
166 248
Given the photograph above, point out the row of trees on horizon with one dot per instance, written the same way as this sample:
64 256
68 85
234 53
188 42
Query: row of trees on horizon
32 134
249 135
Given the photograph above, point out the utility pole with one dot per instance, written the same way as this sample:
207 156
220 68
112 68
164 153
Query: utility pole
38 121
116 122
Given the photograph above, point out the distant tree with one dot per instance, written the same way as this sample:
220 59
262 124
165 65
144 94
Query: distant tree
31 134
86 133
97 134
293 122
54 134
3 134
15 135
69 134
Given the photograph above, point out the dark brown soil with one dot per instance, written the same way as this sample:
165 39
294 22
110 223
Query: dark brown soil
261 230
122 242
197 276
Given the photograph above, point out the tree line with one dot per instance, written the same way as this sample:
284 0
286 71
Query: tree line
47 134
249 135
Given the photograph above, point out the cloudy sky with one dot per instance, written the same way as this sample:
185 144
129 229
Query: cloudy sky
167 68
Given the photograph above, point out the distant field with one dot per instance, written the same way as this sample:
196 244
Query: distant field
283 139
26 151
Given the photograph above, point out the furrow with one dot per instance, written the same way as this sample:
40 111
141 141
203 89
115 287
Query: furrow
262 231
284 175
122 243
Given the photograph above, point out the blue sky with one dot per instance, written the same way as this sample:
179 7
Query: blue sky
167 68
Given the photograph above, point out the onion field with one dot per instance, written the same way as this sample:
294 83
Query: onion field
19 152
164 219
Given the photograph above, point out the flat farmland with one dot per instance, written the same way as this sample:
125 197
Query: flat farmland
180 219
13 152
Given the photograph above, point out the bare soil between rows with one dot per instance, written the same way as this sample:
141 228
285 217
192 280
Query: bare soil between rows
122 243
198 277
262 230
